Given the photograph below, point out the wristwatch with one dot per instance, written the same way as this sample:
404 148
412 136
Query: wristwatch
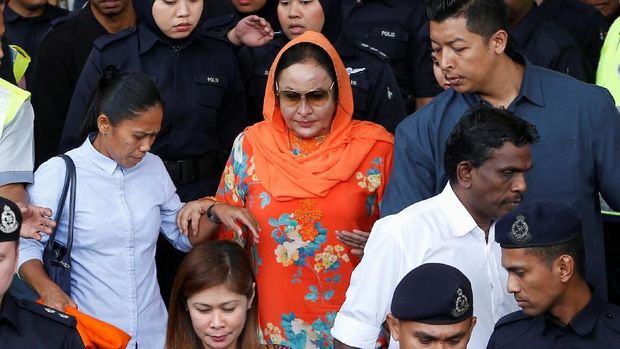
212 217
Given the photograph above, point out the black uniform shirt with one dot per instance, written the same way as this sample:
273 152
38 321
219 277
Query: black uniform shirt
596 326
25 324
28 33
393 26
546 45
62 55
584 23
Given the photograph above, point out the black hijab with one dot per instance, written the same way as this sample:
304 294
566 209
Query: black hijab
144 12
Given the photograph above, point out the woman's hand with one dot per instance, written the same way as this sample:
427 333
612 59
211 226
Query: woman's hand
231 216
191 213
36 220
56 298
355 239
251 31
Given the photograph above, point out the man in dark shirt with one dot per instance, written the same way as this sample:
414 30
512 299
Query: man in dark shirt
23 323
542 250
579 148
62 55
541 41
586 25
397 28
26 23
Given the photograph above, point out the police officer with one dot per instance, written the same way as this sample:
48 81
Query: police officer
432 306
541 41
204 100
585 24
542 250
376 94
397 28
25 324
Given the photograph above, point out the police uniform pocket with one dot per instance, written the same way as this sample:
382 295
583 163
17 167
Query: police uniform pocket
210 89
392 42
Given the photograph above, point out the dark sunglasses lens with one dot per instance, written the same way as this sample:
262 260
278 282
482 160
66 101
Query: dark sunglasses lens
317 97
290 96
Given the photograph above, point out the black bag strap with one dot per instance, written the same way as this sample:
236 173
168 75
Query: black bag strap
70 183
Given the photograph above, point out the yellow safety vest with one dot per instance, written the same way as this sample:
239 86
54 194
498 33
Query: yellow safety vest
21 61
608 72
11 100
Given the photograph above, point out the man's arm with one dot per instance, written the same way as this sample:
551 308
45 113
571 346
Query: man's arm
14 192
339 345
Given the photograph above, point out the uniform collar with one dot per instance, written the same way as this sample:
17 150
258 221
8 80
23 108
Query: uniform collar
459 219
391 3
9 311
146 38
103 162
585 321
531 88
10 15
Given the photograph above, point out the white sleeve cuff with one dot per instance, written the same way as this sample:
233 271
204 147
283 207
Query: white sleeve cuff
354 333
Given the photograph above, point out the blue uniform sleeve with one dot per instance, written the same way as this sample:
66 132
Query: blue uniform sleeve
385 104
232 118
84 89
607 152
413 174
570 61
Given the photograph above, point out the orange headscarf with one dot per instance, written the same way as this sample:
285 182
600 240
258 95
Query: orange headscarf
288 177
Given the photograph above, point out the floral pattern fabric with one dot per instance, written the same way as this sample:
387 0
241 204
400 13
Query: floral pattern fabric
302 269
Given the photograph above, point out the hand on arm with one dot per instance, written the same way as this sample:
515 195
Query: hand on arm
339 345
356 239
36 220
251 31
192 220
53 296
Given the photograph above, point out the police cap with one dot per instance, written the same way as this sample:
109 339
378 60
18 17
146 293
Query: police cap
433 293
538 224
10 220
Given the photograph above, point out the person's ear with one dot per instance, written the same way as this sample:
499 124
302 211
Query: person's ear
103 124
565 265
499 41
393 323
251 299
464 173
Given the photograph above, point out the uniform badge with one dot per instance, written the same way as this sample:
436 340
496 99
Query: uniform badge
63 315
352 71
9 221
520 232
389 93
461 304
49 310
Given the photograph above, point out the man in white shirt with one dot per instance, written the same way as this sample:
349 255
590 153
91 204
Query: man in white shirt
486 157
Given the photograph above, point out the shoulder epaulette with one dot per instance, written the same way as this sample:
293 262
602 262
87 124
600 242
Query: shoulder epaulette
512 317
105 40
374 51
47 312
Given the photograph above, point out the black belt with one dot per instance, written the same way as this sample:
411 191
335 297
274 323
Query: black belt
205 166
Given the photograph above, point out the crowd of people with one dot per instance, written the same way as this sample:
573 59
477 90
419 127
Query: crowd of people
247 175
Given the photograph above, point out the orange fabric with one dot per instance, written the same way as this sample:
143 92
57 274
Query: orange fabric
288 177
301 192
97 334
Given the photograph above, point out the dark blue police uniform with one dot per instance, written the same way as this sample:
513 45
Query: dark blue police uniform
26 324
584 23
376 94
394 27
546 45
28 33
596 326
62 54
204 100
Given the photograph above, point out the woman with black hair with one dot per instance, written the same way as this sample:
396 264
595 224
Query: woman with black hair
124 199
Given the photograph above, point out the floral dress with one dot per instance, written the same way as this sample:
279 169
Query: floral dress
302 269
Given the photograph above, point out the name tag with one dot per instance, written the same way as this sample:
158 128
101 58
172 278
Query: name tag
388 34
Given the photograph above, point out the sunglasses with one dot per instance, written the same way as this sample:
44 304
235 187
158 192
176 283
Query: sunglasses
291 98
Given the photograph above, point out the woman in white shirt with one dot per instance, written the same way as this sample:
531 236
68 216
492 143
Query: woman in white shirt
124 199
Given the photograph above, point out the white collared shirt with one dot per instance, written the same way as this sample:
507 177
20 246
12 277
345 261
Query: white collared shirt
436 230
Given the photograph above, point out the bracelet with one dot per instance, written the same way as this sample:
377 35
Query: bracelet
212 217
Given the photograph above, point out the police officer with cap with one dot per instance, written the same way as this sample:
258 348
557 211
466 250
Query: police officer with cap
543 252
432 306
25 324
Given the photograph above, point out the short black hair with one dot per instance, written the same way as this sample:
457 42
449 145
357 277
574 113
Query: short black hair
481 130
573 247
484 17
120 96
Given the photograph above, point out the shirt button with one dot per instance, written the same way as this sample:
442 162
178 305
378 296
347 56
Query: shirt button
610 315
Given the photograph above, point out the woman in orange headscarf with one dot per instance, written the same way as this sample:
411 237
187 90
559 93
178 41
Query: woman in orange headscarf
292 182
